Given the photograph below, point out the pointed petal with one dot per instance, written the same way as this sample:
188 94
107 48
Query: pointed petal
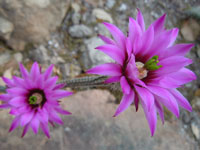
54 117
16 91
106 39
125 102
177 50
35 71
140 20
117 34
9 82
109 69
61 94
164 97
112 79
151 116
159 24
134 30
125 85
24 72
48 72
5 97
15 124
145 96
61 111
26 118
114 52
45 129
4 106
182 101
160 111
26 128
18 101
172 64
51 82
35 124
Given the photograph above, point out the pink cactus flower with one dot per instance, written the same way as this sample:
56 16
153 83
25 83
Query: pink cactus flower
149 67
33 99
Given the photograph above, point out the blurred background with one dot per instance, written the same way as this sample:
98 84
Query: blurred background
65 33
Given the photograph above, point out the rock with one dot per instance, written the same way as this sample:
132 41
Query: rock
101 15
92 127
80 31
190 30
76 17
101 29
75 7
195 131
70 70
18 57
96 57
33 20
6 28
4 58
39 54
122 7
110 3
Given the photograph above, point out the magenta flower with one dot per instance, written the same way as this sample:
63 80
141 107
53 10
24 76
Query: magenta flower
148 66
33 99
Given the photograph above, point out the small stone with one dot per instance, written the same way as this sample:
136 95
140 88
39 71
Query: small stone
123 7
4 58
110 3
195 131
39 3
6 28
40 54
101 15
8 73
76 17
18 57
97 57
101 29
75 7
80 31
190 30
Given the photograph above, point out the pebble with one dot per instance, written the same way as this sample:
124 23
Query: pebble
6 28
18 57
110 3
195 131
97 57
101 15
4 58
80 31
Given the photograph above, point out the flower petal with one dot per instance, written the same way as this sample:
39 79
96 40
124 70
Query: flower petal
48 72
45 129
125 85
106 39
26 128
140 20
117 34
182 101
145 96
113 79
159 24
15 124
18 101
26 118
113 51
35 124
164 97
23 71
35 71
110 69
125 102
160 111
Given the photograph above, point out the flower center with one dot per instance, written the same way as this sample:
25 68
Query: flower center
35 98
142 70
151 64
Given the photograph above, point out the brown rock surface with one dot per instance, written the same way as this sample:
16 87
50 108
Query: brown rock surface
92 127
33 20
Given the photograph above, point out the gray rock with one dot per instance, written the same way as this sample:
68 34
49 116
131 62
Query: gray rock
6 28
18 57
4 58
80 31
195 131
76 17
33 20
110 3
102 15
101 29
40 54
122 7
97 57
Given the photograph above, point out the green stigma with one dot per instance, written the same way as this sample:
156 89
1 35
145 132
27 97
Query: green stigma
32 100
151 64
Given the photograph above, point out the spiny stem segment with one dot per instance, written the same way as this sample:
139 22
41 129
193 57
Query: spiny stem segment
151 64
